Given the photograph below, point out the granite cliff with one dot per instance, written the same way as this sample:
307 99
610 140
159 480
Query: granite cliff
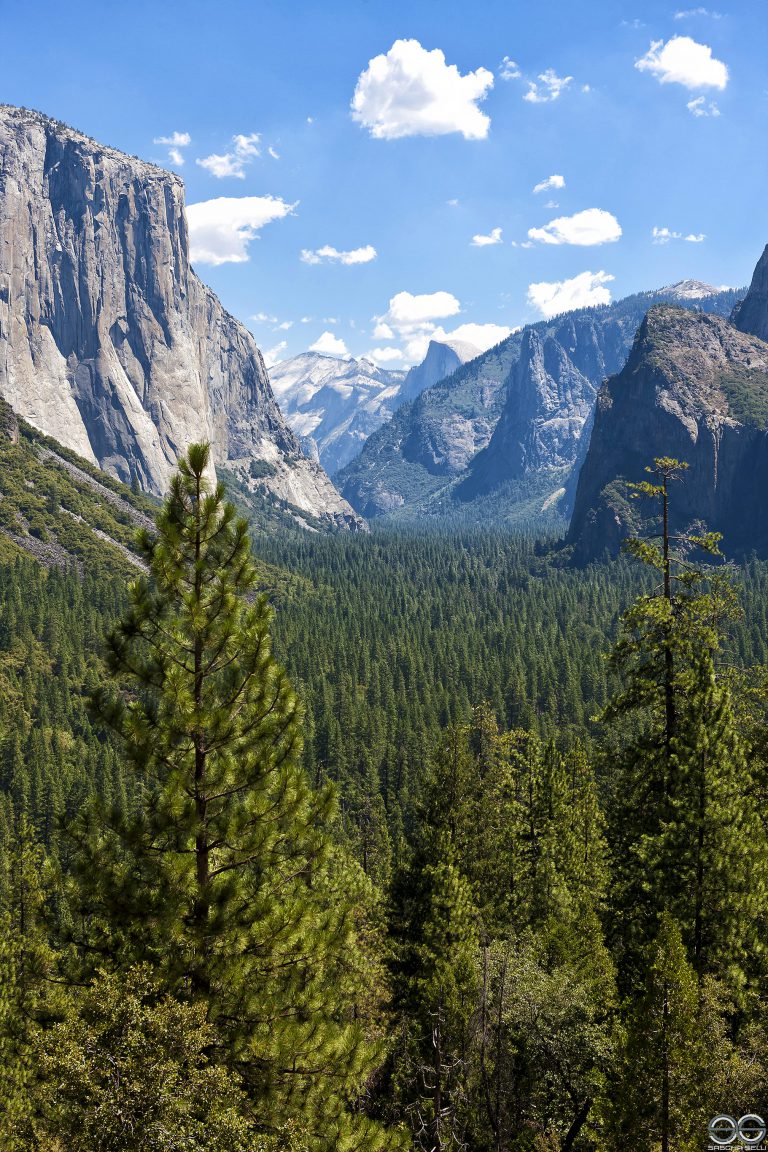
110 343
695 387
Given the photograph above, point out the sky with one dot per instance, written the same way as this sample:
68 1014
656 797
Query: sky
362 175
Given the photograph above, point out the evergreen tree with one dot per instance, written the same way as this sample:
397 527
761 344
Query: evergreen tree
223 880
681 805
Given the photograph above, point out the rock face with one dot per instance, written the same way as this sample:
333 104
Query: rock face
751 315
695 387
513 418
334 405
443 357
109 342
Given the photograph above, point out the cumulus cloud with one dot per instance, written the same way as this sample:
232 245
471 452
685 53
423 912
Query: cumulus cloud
494 237
233 163
664 235
683 61
550 182
334 256
592 226
330 344
383 331
696 237
174 143
582 291
220 230
411 91
483 336
548 88
508 69
274 355
702 107
409 311
384 355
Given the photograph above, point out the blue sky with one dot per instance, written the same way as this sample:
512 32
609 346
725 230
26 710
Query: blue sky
653 115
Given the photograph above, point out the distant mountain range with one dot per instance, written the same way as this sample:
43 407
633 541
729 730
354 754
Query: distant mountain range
333 405
501 438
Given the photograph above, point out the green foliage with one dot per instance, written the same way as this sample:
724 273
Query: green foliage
134 1069
223 879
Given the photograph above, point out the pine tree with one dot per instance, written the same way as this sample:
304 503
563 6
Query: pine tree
677 1055
681 805
223 881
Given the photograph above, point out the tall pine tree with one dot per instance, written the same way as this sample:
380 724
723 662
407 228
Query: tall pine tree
223 879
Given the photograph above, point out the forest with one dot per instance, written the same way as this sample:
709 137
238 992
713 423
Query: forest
411 840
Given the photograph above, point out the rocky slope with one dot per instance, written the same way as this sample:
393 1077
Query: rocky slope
509 425
334 405
695 387
110 342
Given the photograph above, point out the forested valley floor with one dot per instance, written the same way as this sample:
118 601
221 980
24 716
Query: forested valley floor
522 879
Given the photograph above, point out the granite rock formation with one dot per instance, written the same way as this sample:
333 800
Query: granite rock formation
109 342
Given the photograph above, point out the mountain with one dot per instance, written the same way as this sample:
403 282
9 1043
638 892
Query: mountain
334 403
501 436
110 343
443 357
695 387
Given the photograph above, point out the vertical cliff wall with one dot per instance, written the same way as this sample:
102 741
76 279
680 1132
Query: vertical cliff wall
109 341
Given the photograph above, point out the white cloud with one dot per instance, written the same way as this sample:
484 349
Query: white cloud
246 147
273 355
494 237
285 325
664 235
384 355
223 166
550 182
551 204
330 344
548 89
409 311
697 12
175 140
483 336
333 255
275 155
582 291
683 61
233 163
452 203
411 91
696 237
174 143
263 318
702 107
592 226
221 229
508 69
383 331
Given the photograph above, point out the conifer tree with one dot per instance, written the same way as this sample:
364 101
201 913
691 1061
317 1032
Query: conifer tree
223 880
681 806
